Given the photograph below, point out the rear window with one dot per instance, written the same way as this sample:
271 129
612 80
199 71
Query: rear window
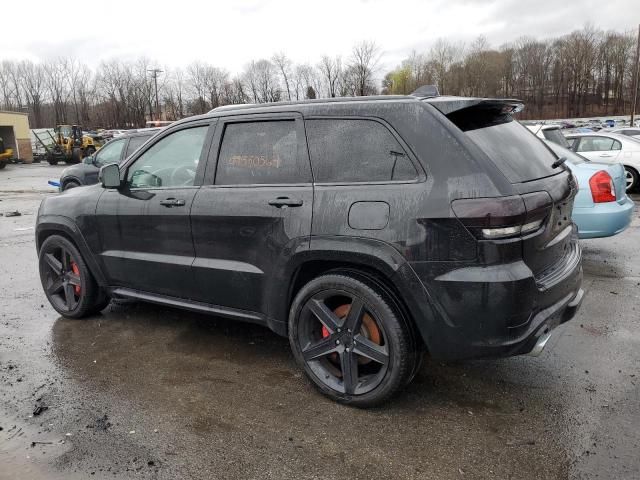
571 156
555 135
517 152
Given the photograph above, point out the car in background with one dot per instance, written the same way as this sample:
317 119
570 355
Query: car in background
602 207
552 133
633 132
114 151
113 133
608 147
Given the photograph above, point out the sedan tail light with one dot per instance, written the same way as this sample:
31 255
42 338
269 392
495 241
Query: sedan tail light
602 188
503 217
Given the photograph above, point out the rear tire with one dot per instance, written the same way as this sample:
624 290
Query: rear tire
67 281
52 161
632 179
359 359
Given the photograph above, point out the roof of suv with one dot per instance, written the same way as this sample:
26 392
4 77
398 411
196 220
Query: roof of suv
446 104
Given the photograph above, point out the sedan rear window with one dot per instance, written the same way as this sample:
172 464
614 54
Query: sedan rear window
517 152
555 135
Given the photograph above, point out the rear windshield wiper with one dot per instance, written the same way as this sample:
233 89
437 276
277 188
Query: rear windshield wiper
558 162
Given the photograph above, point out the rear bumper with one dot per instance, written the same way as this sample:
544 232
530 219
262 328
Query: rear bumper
496 311
603 219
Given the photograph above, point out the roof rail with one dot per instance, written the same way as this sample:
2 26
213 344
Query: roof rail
426 91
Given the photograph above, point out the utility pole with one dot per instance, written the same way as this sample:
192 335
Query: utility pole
154 74
635 80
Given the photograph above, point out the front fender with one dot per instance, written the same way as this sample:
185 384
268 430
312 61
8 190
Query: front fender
47 225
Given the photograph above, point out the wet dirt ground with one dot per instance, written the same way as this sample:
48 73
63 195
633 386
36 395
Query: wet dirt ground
142 391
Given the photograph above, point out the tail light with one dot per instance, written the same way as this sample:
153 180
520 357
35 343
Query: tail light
503 217
602 188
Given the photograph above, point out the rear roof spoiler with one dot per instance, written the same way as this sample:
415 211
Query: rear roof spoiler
448 105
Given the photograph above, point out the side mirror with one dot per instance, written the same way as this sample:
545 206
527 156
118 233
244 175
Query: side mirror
109 176
88 160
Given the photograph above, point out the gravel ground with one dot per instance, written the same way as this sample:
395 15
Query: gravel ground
142 391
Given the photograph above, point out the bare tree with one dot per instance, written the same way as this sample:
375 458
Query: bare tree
283 64
331 70
365 57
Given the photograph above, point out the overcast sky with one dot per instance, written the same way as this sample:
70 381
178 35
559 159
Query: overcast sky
229 34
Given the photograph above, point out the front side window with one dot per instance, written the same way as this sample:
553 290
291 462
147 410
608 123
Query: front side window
110 153
261 152
170 162
354 150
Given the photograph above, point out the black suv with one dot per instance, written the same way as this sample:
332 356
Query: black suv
369 230
114 151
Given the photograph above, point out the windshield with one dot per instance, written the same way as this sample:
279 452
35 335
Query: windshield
555 135
518 153
571 156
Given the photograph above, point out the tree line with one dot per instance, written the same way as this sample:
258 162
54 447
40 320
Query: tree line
587 72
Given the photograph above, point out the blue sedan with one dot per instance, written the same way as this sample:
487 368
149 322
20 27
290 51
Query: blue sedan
601 207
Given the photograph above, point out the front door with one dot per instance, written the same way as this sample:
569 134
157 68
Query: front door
254 211
145 231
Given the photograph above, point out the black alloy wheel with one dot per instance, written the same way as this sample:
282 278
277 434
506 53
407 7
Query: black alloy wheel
351 343
66 280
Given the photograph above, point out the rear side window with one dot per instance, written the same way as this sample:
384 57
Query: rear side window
353 150
598 144
518 153
134 144
260 153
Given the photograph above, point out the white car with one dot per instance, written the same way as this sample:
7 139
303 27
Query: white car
609 147
628 131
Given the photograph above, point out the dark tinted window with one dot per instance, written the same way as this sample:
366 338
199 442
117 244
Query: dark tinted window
134 144
517 152
260 153
555 135
356 151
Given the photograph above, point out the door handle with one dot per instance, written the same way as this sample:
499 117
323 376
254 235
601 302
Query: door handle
285 202
172 202
606 155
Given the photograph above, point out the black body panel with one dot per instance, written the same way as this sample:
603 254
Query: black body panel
244 250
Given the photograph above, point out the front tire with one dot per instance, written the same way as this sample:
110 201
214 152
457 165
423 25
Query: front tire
353 346
70 184
67 281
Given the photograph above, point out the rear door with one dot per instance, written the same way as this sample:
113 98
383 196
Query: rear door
599 148
254 211
144 227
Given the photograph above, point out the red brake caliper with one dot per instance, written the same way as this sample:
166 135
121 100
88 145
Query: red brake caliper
76 270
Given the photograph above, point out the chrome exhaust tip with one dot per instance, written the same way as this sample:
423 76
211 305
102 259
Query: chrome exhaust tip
540 344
